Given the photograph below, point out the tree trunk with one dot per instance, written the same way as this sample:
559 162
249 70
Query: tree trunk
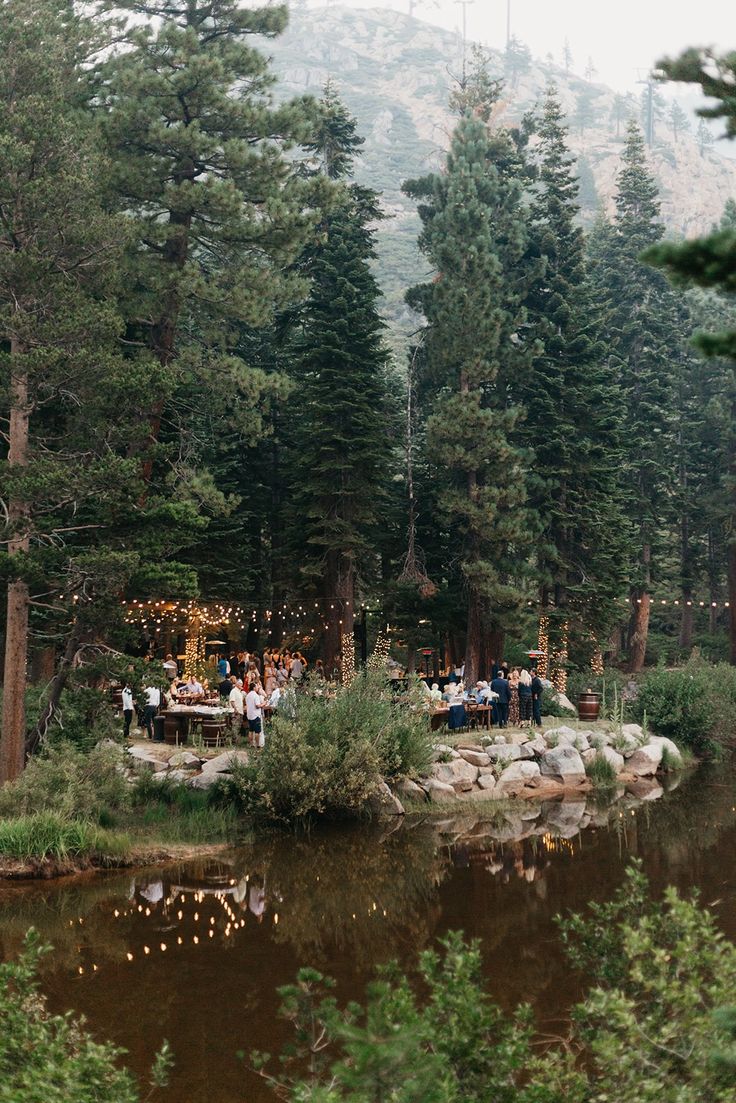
43 663
39 733
686 621
640 610
339 605
732 600
13 740
473 639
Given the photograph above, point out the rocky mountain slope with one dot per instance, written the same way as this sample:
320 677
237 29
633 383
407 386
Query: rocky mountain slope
396 72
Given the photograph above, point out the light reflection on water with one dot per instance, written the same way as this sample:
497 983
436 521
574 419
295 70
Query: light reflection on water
195 953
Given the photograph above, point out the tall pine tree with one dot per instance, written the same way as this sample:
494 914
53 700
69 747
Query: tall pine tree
573 416
645 330
474 233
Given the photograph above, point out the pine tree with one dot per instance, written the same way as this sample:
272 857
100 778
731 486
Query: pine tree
645 329
218 207
573 412
341 448
678 120
66 480
710 262
475 236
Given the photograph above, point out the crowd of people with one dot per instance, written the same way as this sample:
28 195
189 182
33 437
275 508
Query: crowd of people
514 694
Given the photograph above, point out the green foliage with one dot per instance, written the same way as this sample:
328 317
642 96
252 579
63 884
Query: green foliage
70 783
52 1057
174 813
327 758
601 773
693 705
451 1045
48 836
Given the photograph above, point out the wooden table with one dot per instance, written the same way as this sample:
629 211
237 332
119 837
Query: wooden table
482 713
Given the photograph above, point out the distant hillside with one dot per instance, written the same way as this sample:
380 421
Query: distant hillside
395 74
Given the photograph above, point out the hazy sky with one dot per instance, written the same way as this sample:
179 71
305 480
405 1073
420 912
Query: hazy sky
621 36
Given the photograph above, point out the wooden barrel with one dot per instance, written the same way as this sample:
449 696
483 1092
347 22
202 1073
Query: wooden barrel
117 697
175 730
213 732
589 706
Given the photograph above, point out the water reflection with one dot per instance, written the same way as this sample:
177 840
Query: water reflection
194 953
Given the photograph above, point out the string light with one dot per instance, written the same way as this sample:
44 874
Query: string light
543 646
347 648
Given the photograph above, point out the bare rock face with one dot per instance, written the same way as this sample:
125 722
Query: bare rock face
563 761
645 761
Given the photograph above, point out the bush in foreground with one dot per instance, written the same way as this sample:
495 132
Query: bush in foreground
52 1058
657 1025
325 756
69 782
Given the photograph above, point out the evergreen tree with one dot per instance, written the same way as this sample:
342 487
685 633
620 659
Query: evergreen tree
218 207
678 120
341 447
704 138
645 328
71 493
710 262
573 413
587 108
475 236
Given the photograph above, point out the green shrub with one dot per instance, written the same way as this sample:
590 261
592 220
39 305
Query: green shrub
328 756
175 813
69 782
46 835
601 772
52 1057
695 705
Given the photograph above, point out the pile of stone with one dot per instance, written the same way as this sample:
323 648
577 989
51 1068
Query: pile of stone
532 764
185 766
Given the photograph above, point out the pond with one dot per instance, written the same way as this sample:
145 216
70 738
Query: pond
194 953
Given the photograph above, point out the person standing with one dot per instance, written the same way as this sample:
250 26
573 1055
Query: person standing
500 686
171 668
525 698
223 667
514 710
128 707
152 697
254 703
537 691
237 704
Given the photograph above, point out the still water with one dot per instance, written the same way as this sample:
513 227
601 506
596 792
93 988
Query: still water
194 953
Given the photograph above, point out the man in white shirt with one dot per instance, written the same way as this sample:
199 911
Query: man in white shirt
254 703
128 706
237 705
152 697
171 668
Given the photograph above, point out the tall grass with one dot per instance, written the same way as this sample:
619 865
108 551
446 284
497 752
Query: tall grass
46 835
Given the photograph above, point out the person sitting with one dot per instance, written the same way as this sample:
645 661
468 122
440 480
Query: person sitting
193 687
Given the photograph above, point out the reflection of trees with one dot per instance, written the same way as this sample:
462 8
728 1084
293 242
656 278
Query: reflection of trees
360 892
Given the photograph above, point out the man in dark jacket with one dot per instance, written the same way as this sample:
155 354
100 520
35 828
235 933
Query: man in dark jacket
500 686
537 691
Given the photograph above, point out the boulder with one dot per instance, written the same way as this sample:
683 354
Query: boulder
203 781
442 750
645 761
382 802
588 756
223 763
634 731
537 745
184 758
519 738
503 752
475 757
517 775
674 754
438 790
178 775
563 761
564 702
527 751
624 743
644 789
487 781
409 790
564 819
562 734
467 745
458 773
547 788
616 760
